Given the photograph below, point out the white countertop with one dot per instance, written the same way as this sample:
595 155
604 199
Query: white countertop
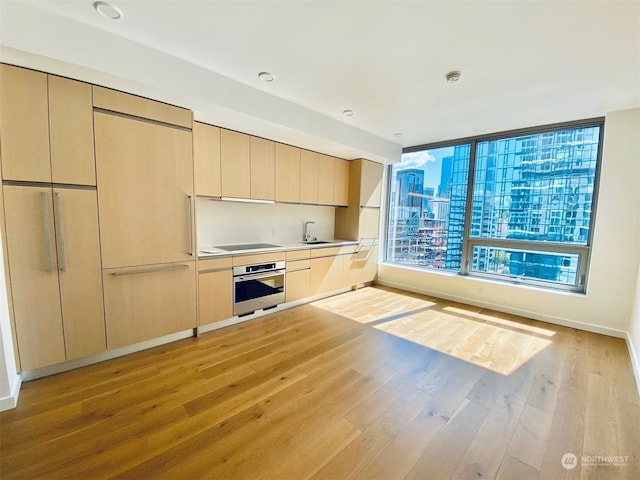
280 246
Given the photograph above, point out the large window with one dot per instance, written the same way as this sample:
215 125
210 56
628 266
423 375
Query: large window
516 207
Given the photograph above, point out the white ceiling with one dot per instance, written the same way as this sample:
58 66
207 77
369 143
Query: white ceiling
523 63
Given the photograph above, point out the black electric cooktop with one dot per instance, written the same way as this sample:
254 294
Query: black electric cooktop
246 246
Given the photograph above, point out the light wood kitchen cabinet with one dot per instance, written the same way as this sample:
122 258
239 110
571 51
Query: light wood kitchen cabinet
54 260
235 164
145 180
326 180
206 160
328 274
362 266
46 128
147 302
341 192
370 184
287 173
24 124
78 246
361 218
71 132
297 280
215 289
263 169
308 177
215 296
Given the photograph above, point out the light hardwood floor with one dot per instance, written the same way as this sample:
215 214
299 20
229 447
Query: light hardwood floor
343 388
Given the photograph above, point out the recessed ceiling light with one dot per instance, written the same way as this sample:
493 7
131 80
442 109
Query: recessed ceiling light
266 77
107 10
453 76
348 113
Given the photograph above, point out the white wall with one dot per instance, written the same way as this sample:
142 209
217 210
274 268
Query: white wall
9 378
633 337
607 306
221 222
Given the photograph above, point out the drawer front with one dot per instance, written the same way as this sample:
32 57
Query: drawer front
333 251
292 266
298 254
213 264
258 258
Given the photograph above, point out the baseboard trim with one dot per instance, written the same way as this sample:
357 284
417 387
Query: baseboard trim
11 400
108 355
210 327
635 360
564 322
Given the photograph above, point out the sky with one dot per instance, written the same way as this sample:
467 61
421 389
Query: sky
429 160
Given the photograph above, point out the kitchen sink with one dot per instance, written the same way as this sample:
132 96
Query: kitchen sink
314 242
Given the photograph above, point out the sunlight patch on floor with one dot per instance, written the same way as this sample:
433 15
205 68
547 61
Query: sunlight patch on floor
478 336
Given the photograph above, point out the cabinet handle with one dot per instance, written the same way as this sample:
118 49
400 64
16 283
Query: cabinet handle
62 248
47 231
190 225
149 270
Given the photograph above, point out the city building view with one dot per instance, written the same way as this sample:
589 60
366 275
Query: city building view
529 189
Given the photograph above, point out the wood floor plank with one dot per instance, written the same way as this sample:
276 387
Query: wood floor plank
343 388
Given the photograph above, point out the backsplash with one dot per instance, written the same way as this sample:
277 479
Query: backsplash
222 222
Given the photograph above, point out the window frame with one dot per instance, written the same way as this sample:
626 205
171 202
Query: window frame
583 251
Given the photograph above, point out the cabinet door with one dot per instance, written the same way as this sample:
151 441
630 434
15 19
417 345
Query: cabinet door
327 274
145 180
215 296
326 180
263 169
308 177
148 302
287 173
370 183
235 164
363 265
369 223
78 246
24 125
34 275
297 284
341 192
206 160
71 125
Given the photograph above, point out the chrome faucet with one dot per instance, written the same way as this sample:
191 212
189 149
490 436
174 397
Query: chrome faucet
307 232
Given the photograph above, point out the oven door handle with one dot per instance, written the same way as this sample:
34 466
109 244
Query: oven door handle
257 276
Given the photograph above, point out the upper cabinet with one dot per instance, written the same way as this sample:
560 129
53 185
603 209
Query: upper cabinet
361 219
287 173
206 160
263 168
235 164
309 192
46 128
71 132
370 183
341 192
326 180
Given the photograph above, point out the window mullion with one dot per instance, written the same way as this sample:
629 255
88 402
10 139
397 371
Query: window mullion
465 262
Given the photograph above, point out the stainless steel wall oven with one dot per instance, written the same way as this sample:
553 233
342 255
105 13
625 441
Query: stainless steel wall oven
258 286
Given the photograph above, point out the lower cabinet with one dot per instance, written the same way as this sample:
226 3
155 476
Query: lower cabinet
297 280
215 296
54 264
328 274
149 301
362 266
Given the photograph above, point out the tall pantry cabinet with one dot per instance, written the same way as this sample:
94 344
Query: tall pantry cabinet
51 222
